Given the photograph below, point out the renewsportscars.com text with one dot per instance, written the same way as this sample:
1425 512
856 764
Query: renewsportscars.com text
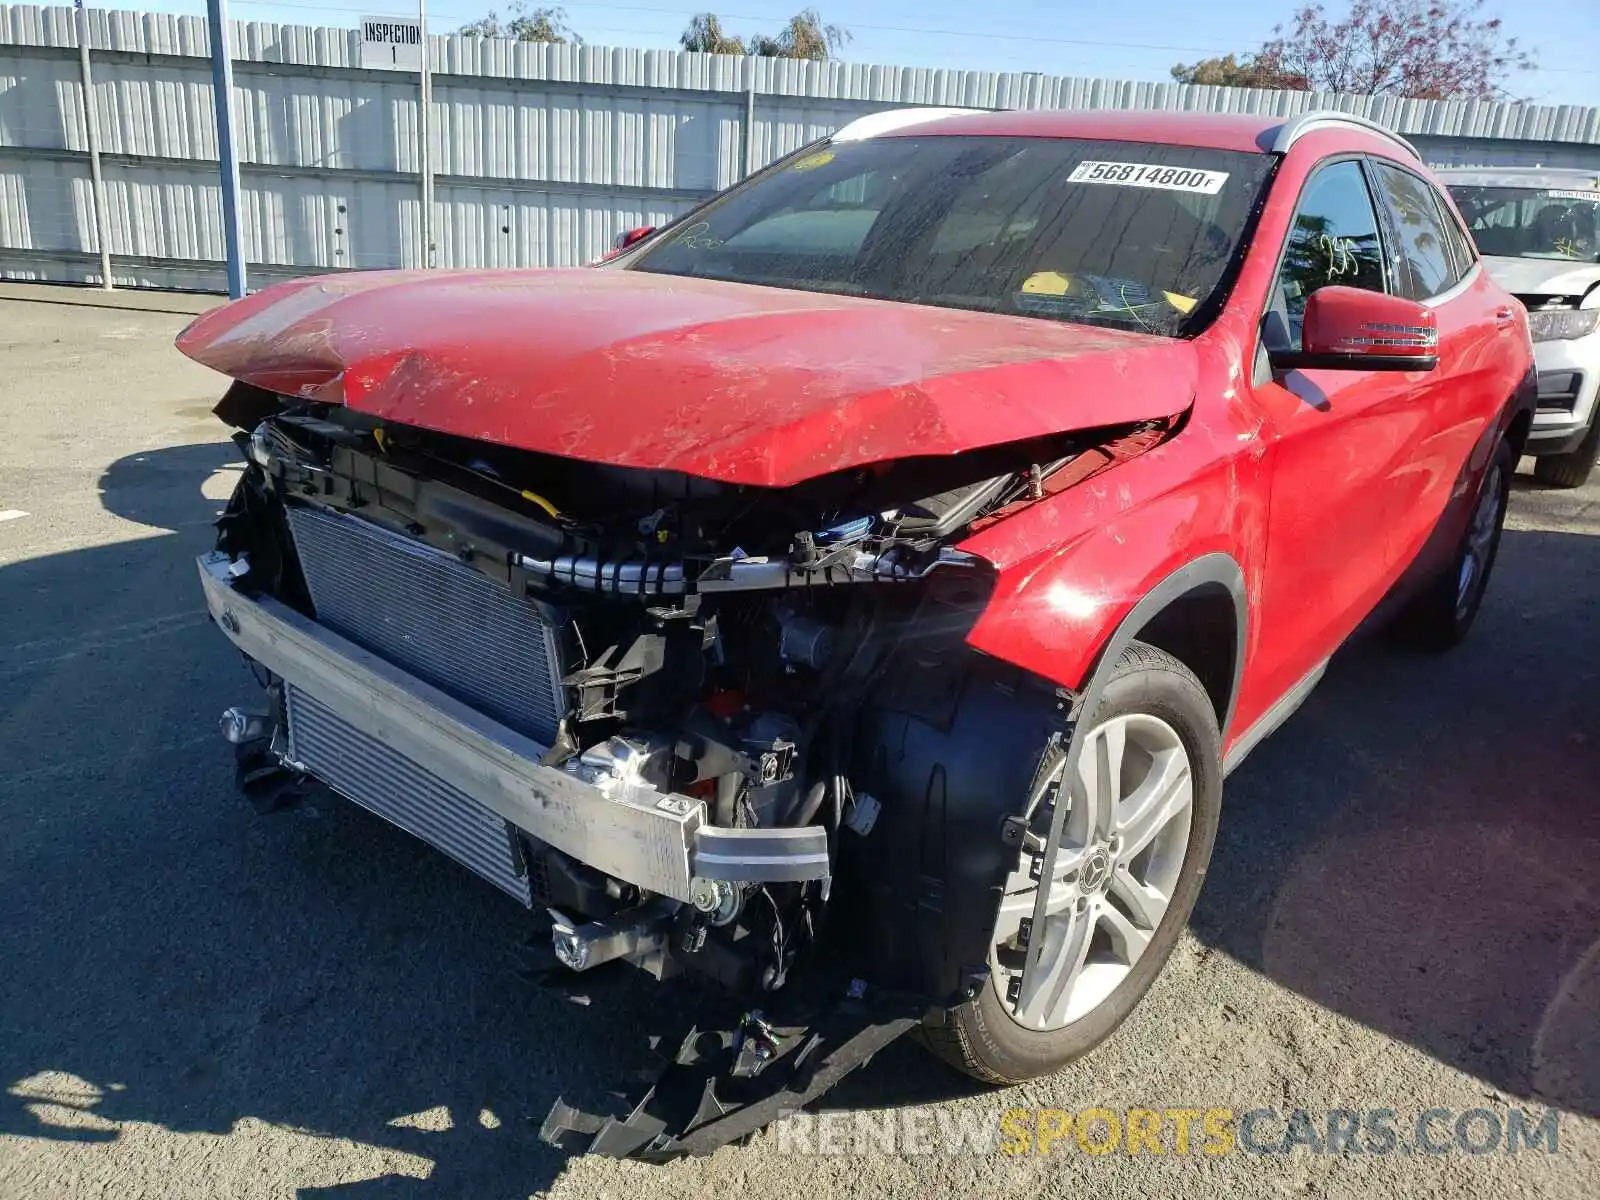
1210 1132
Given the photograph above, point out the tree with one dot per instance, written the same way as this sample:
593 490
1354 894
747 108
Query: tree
1425 49
805 36
524 24
1229 71
706 35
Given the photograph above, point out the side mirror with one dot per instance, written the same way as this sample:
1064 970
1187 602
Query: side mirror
1349 329
624 240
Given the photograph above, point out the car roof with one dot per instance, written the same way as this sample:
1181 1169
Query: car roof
1222 131
1248 132
1521 177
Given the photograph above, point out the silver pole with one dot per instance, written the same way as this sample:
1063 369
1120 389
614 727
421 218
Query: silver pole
750 118
227 152
424 150
91 125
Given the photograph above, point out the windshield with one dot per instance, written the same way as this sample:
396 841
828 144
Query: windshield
1532 222
1127 234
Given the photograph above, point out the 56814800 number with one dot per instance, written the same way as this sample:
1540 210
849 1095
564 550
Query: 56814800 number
1150 175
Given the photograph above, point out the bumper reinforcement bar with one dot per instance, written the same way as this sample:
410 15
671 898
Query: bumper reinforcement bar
657 842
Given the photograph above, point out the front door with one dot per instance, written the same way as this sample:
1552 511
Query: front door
1340 447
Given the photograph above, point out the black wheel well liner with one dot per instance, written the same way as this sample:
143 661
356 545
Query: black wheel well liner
1199 615
1517 433
1201 630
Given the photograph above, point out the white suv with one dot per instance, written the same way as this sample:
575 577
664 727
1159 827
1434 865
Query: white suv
1539 232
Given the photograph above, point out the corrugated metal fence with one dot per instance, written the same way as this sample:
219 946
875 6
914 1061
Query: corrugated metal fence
542 153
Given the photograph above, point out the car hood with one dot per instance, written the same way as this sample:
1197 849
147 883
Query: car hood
727 381
1542 276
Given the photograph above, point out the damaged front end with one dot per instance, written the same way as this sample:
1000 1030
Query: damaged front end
684 718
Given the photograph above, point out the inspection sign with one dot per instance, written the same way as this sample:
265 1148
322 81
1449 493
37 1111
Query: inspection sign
391 44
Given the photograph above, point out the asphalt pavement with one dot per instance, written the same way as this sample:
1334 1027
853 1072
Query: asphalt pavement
195 1000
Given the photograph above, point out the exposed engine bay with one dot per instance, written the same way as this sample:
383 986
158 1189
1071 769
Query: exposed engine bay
751 661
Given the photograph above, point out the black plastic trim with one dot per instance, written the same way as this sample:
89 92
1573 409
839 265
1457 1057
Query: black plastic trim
1287 360
1560 440
1211 569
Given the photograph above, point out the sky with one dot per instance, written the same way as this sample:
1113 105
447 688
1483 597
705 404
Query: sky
1058 37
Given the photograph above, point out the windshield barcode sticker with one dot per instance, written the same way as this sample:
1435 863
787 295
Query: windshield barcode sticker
1150 175
1570 195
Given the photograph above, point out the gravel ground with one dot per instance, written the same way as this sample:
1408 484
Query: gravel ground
1403 912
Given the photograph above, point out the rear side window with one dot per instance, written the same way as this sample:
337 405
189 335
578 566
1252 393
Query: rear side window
1461 247
1422 264
1334 240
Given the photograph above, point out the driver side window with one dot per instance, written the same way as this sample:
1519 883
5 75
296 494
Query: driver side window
1334 240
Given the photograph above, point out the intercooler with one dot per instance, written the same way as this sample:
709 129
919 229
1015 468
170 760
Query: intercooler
448 625
434 617
365 770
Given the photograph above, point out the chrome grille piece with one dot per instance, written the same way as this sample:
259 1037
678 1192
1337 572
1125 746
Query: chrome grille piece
365 770
434 617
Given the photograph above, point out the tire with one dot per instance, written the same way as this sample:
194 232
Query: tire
1442 614
1572 469
1149 690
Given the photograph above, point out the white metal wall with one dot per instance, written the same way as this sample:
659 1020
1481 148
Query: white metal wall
543 153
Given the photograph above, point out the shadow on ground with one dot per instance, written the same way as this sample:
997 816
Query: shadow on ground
1417 848
194 964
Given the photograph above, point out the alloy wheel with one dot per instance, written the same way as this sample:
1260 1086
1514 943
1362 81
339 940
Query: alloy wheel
1123 842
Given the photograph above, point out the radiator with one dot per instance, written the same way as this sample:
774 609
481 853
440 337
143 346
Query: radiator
365 770
434 617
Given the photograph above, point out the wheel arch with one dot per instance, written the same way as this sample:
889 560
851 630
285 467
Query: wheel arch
1181 614
1202 585
1203 627
1517 422
950 766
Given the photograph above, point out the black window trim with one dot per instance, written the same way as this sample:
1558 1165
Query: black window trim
1386 233
1446 213
1453 215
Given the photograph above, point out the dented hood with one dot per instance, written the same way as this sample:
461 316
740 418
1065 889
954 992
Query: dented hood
744 384
1543 276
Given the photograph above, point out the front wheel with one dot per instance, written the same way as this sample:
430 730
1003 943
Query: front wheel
1135 843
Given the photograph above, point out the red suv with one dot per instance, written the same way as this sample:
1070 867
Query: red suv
856 591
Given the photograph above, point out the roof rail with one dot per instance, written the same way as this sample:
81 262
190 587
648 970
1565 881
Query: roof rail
1296 127
874 124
